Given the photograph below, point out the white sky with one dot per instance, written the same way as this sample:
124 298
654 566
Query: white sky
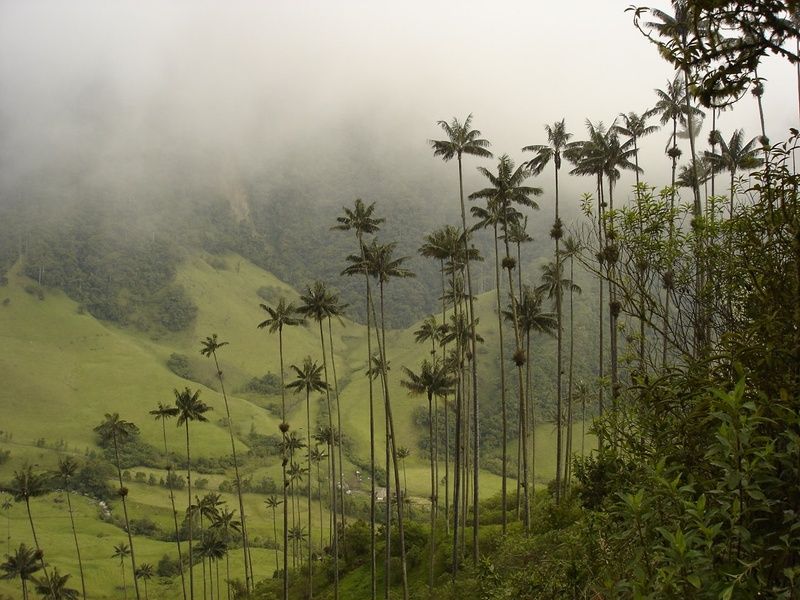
239 82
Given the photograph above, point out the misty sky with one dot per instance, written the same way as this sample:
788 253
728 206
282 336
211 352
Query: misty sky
237 85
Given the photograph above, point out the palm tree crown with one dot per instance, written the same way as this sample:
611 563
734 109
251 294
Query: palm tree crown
460 140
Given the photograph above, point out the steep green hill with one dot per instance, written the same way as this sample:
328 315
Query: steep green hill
63 370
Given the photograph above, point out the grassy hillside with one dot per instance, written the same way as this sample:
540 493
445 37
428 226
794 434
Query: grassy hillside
63 370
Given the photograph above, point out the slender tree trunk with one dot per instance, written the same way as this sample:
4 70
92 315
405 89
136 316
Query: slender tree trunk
285 574
446 420
124 583
127 523
528 484
248 566
332 455
172 503
433 496
601 306
458 443
504 418
36 539
640 273
275 535
372 548
571 361
668 287
474 350
518 359
390 422
308 446
700 342
189 515
613 307
77 547
341 461
559 427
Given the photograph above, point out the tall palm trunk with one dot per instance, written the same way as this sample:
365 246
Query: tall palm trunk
372 548
339 425
124 583
248 565
518 360
613 309
502 385
601 306
433 493
571 360
446 420
474 351
174 510
697 211
668 285
458 442
285 573
393 444
528 417
642 362
275 535
127 522
308 496
77 547
332 457
36 541
191 517
559 428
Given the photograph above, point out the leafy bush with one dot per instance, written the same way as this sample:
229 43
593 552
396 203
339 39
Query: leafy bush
179 364
267 385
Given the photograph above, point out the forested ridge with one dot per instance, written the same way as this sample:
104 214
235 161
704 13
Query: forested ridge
456 391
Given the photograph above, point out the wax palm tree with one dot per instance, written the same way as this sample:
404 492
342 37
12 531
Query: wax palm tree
206 509
285 458
6 506
557 140
26 485
225 523
67 467
734 155
518 235
209 348
212 548
506 189
319 303
282 315
572 248
118 431
54 586
379 261
680 29
23 564
532 319
361 220
122 551
296 473
446 246
553 284
162 413
308 379
273 503
297 535
145 572
190 408
318 455
433 379
461 140
634 127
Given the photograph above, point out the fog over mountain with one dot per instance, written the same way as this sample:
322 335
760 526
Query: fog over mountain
123 95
